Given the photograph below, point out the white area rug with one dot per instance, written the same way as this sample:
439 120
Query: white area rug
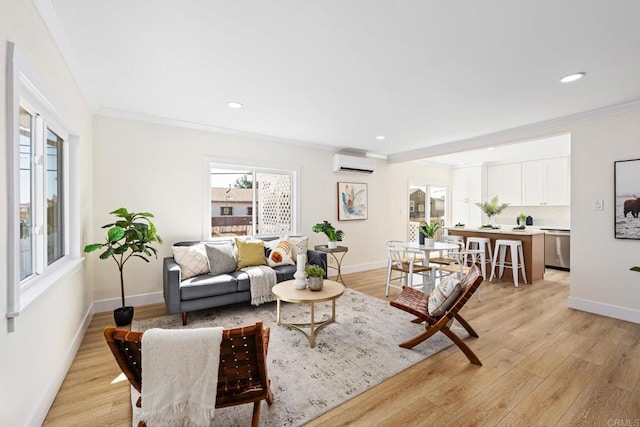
357 352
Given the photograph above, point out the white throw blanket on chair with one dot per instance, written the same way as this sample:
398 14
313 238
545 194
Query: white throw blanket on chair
262 279
180 376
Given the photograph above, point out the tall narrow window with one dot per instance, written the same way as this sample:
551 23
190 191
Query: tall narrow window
54 194
44 243
26 178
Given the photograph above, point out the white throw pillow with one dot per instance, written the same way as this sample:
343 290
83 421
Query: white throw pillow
192 260
279 252
299 245
444 295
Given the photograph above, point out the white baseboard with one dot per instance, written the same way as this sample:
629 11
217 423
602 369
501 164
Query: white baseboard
617 312
361 267
134 300
50 391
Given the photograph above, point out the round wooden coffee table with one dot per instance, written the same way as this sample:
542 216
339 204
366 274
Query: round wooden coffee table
285 291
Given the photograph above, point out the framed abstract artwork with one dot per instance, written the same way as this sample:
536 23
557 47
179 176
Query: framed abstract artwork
352 201
627 199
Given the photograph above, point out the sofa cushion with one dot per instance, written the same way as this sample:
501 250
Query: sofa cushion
207 285
222 257
244 283
191 259
250 253
278 252
284 272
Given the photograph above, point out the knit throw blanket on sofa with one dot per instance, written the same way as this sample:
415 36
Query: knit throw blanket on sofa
262 279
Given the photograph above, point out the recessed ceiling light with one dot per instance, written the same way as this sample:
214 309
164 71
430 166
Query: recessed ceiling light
491 148
572 77
234 104
380 137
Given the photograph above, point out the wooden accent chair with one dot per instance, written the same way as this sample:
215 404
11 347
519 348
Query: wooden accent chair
242 374
416 303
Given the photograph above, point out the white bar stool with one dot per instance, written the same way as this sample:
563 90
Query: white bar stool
476 244
517 259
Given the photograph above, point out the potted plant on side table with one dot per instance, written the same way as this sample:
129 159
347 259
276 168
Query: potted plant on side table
329 230
428 232
129 236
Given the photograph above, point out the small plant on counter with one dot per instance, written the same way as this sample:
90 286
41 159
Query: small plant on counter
522 219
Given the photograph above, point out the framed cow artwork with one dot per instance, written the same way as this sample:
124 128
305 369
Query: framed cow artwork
627 199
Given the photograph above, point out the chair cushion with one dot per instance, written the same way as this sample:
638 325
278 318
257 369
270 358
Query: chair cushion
207 285
222 257
444 295
192 260
250 253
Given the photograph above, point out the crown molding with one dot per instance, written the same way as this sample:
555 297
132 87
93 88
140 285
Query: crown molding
509 136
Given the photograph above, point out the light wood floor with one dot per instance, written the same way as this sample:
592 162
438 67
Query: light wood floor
543 364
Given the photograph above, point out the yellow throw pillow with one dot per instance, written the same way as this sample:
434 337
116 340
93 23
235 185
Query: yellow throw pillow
250 253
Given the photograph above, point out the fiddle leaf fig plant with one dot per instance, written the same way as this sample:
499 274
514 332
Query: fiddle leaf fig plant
130 236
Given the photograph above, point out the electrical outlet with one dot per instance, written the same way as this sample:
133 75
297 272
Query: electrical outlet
599 206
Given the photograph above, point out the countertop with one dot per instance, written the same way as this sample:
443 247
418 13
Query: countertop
529 231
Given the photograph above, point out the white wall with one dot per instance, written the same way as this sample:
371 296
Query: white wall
35 358
168 182
600 278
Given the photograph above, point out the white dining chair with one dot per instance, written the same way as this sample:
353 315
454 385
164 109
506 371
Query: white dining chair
406 262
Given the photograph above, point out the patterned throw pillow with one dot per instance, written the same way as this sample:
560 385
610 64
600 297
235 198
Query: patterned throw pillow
250 253
279 253
299 245
444 295
192 260
222 257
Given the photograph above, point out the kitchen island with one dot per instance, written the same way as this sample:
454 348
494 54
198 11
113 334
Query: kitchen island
532 247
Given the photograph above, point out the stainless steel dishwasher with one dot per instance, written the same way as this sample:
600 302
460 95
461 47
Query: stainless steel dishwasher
557 248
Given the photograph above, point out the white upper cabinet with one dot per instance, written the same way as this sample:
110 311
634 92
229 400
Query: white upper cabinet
546 182
505 181
466 190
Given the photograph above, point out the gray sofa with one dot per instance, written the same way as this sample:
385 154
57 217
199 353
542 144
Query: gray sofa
208 290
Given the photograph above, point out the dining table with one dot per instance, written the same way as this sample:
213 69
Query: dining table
426 250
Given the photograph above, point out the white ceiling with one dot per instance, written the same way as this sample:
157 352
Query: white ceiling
337 73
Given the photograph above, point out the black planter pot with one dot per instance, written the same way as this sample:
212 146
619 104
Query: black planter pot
123 316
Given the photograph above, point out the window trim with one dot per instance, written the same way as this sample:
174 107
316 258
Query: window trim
25 87
267 167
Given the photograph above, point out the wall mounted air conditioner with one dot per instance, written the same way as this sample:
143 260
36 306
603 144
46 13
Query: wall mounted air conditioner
346 163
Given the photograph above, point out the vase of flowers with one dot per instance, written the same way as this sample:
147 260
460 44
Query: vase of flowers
491 209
